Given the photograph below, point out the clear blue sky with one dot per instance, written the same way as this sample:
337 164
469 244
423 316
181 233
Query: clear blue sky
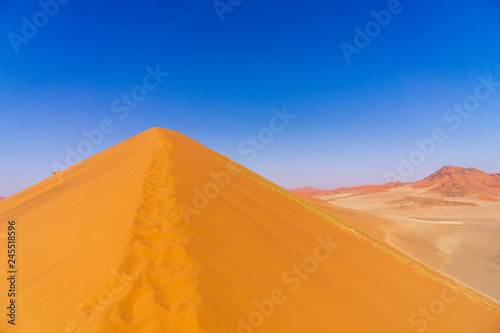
353 120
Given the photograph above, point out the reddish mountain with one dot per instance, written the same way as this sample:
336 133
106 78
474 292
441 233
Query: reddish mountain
449 181
308 190
1 198
472 183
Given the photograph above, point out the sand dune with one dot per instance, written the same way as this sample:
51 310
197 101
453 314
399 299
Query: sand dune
160 234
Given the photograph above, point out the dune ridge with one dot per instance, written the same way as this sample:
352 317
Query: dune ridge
164 295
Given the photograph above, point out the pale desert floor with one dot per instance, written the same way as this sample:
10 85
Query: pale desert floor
461 242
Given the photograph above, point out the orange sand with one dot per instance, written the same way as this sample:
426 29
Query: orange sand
117 244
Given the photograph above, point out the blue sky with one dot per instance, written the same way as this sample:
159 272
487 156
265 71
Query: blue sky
353 120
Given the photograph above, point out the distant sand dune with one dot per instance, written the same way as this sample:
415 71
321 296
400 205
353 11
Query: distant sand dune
411 202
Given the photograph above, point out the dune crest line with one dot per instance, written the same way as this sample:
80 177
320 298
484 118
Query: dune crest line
163 296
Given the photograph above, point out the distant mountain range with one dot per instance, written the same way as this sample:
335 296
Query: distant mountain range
449 181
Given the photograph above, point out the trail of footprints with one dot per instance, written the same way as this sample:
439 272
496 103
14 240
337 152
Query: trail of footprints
163 296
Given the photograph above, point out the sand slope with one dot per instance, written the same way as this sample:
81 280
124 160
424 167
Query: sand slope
160 234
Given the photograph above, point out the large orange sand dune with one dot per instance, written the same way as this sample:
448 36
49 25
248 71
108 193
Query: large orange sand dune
125 241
